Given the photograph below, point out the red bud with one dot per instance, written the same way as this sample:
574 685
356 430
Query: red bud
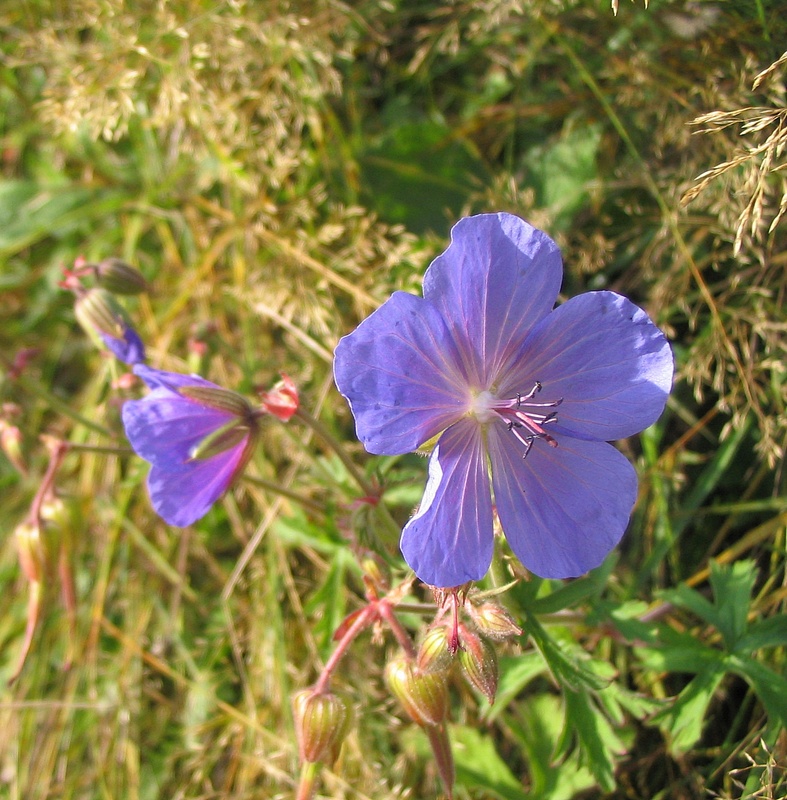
282 400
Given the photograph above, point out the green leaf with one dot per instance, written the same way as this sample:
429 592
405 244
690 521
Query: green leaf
597 739
617 699
56 211
685 597
536 728
684 720
298 531
515 673
573 592
732 588
769 686
417 172
770 632
480 767
679 652
571 669
561 172
707 482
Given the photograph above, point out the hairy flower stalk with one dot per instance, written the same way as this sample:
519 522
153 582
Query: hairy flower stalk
521 398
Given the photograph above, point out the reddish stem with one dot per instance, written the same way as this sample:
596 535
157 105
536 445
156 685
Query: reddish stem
367 616
385 610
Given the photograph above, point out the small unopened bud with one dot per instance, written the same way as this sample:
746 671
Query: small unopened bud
435 654
98 312
11 444
282 400
493 621
478 660
31 550
55 512
119 277
424 695
377 572
322 720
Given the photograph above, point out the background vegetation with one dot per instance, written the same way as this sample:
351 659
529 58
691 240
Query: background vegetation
276 169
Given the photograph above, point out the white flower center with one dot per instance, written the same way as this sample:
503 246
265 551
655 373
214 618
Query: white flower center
482 407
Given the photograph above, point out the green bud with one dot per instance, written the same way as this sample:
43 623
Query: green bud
435 655
322 720
377 571
55 512
424 695
30 549
493 621
11 445
97 311
119 277
478 660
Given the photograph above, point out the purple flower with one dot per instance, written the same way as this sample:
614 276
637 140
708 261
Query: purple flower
510 384
197 436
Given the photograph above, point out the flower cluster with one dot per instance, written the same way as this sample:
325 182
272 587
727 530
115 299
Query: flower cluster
521 394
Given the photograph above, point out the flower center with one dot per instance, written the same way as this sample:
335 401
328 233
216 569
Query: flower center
523 417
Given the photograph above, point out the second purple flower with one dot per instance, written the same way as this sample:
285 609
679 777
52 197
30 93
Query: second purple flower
197 436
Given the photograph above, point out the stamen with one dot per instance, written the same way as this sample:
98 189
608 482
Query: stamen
526 425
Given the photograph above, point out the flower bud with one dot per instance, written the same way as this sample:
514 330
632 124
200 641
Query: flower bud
55 512
377 572
282 400
31 550
11 444
105 321
493 621
424 695
119 277
98 312
435 655
322 720
478 660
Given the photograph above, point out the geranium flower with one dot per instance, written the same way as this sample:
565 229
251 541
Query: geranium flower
197 436
514 388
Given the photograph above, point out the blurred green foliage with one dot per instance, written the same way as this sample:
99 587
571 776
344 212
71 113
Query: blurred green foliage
276 169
